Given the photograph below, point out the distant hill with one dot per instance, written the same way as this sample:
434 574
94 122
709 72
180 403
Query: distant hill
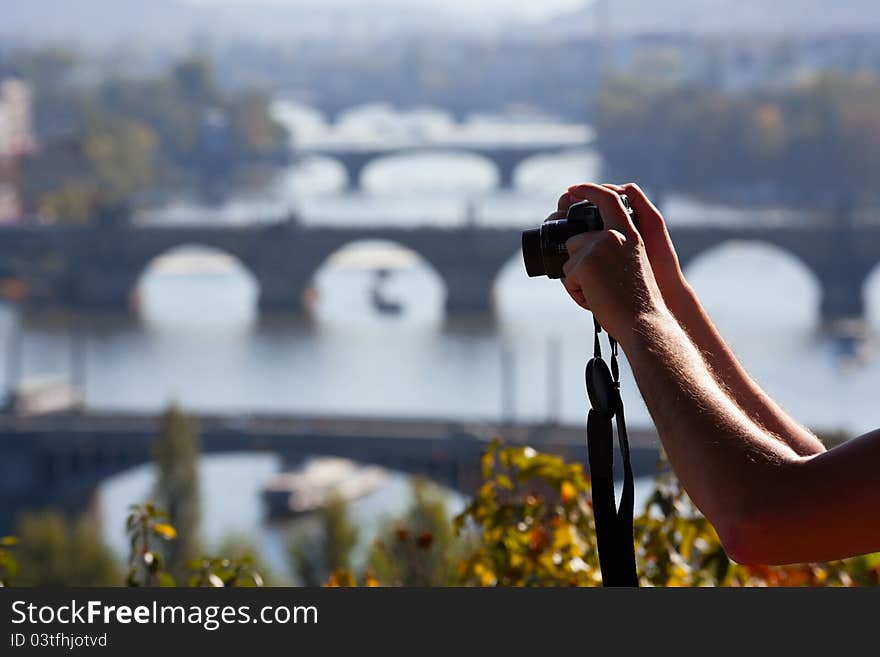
795 17
91 21
106 22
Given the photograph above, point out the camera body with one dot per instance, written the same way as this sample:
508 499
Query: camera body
543 248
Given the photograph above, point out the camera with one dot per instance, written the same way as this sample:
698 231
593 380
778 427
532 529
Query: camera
544 247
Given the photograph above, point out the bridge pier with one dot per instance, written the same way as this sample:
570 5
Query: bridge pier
354 168
841 301
842 264
506 173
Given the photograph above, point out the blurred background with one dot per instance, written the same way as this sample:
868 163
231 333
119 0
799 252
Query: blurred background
266 253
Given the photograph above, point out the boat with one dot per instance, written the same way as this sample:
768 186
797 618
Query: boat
382 305
43 395
318 482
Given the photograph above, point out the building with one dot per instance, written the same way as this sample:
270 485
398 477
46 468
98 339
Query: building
16 133
16 140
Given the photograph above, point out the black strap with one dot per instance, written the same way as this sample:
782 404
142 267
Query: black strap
614 526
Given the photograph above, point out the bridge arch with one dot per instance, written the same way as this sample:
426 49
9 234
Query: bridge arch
376 280
752 284
543 171
414 171
538 305
196 286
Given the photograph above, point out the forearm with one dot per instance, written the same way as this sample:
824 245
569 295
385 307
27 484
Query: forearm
744 391
726 462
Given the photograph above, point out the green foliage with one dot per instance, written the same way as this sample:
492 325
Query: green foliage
8 562
417 549
121 153
222 572
534 522
176 454
55 551
134 134
816 143
314 560
147 530
253 129
531 524
198 126
117 159
536 526
240 549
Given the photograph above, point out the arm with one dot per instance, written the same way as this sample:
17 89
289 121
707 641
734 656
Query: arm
681 300
730 373
768 503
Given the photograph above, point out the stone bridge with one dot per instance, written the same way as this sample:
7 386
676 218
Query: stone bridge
60 460
506 157
98 268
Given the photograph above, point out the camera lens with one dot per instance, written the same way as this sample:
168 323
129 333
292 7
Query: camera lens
531 248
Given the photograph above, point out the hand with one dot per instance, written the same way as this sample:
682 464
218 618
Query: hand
608 271
658 245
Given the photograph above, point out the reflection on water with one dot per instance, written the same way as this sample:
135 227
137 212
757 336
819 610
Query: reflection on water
201 343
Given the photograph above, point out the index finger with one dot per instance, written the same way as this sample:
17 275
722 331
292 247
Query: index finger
610 206
564 203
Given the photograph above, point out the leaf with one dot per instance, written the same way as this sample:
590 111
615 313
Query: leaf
487 462
166 580
165 530
8 541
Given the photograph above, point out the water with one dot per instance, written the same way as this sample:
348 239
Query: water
199 340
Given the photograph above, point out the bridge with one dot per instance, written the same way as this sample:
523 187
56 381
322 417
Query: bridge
505 156
60 460
97 268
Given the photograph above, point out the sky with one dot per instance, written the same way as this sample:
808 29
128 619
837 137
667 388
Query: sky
501 9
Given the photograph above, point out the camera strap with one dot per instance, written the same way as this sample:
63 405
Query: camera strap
614 525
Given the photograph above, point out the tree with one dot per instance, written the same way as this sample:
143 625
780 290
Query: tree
814 145
314 560
55 551
114 160
417 549
148 529
124 136
176 455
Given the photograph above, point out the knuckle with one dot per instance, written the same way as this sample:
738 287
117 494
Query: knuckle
573 244
604 242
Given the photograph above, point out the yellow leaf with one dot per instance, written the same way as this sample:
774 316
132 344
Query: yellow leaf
165 530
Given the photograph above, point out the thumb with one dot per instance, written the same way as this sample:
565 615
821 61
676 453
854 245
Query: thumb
650 220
